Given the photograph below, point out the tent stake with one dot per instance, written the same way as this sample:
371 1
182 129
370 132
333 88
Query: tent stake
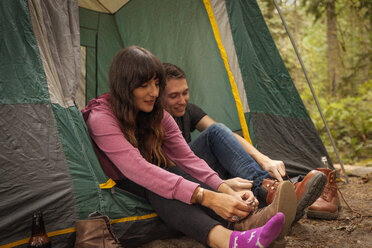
312 89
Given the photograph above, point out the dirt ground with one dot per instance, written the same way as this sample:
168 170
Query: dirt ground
353 228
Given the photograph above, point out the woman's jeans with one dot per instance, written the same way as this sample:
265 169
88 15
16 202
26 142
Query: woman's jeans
222 151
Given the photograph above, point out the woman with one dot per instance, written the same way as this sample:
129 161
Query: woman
150 158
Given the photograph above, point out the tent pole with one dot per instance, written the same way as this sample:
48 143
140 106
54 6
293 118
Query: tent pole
312 89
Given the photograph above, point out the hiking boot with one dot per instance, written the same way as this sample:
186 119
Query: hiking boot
285 201
267 191
307 191
327 205
95 232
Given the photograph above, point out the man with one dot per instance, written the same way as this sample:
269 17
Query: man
228 153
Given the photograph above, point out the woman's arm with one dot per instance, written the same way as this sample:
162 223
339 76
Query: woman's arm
106 133
176 148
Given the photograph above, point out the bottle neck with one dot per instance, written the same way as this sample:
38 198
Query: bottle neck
38 225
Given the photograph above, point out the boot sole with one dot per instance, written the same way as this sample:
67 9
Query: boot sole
314 188
322 215
287 203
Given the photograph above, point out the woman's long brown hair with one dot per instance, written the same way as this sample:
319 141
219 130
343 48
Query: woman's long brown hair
130 68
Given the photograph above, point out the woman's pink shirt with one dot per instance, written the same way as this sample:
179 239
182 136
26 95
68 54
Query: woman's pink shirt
105 131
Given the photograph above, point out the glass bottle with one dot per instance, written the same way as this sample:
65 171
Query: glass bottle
39 238
324 161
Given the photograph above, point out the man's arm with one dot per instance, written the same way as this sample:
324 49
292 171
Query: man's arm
204 123
276 168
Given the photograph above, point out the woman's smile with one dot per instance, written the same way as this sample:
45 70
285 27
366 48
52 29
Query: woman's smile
146 94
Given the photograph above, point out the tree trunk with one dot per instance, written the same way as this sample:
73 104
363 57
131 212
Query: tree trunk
270 8
334 58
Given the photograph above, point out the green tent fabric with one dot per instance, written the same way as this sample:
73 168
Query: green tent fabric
277 120
55 54
47 159
177 32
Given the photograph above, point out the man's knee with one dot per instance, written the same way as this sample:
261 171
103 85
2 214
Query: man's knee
218 127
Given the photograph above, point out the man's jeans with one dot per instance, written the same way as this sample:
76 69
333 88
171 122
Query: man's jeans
222 151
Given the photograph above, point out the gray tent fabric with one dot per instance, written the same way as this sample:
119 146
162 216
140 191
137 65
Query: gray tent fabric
56 26
222 19
33 171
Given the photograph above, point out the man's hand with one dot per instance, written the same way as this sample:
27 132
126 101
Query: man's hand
239 184
276 168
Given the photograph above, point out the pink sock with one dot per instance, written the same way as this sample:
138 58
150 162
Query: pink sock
258 237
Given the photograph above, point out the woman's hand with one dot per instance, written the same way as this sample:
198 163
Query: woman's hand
249 198
239 184
245 195
241 188
227 206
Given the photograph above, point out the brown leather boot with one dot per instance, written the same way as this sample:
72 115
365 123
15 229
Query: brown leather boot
327 205
285 201
95 232
307 191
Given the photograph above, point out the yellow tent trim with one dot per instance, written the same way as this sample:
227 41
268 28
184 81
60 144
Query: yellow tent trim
234 88
73 229
143 217
107 185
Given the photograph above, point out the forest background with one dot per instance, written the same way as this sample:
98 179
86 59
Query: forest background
334 40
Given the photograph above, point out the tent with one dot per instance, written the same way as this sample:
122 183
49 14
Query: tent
54 57
233 68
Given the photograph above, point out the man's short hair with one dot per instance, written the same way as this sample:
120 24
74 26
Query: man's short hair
173 72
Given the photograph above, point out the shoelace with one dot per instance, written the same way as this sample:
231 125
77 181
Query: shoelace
98 215
289 178
109 228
